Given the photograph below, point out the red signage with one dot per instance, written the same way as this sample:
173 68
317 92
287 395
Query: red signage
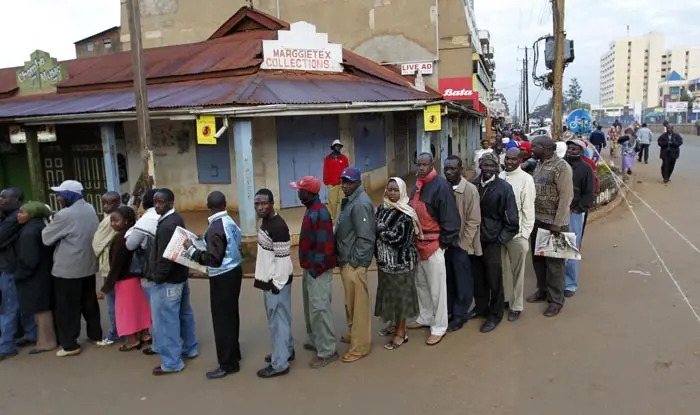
458 89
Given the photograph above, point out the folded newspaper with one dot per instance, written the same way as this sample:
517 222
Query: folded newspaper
176 252
560 245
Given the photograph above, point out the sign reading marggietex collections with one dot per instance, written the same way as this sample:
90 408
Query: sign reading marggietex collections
302 49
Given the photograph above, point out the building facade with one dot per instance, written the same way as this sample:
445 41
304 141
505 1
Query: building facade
683 60
103 43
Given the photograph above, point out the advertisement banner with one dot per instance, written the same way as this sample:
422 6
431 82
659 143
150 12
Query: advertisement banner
432 115
676 107
458 89
206 128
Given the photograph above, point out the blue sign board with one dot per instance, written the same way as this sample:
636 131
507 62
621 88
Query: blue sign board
579 121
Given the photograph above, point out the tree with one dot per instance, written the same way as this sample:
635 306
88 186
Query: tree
575 105
573 94
498 96
542 111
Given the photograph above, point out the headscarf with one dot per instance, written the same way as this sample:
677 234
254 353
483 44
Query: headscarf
70 197
37 210
403 206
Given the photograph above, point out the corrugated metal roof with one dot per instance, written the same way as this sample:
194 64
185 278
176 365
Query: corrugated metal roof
262 88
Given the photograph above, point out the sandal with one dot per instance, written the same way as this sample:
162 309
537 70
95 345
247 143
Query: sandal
393 344
389 330
130 347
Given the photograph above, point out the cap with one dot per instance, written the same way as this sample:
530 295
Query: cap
69 186
308 183
577 142
351 173
505 140
336 142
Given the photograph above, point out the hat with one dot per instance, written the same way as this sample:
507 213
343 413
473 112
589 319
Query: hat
577 142
336 142
489 157
69 186
351 173
308 183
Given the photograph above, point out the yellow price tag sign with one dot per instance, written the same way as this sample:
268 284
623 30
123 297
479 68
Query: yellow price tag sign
432 115
206 130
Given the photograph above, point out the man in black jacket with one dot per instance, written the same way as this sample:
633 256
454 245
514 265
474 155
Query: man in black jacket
499 224
598 140
170 298
670 144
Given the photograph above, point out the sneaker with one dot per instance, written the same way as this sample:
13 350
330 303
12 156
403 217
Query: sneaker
65 353
292 356
269 373
106 342
319 362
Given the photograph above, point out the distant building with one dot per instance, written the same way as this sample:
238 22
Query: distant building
683 60
103 43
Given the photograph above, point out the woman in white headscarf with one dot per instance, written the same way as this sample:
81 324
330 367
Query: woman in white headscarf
397 230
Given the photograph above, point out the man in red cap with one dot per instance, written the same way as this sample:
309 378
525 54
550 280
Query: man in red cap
333 166
317 259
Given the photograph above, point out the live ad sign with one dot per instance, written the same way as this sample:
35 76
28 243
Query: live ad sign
426 68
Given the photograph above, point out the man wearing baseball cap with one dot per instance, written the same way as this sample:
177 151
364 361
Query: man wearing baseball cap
317 259
74 267
355 236
333 166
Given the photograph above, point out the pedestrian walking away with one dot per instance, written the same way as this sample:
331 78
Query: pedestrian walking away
170 297
101 243
597 138
333 166
433 200
74 267
317 258
514 253
356 232
499 225
644 139
583 199
554 193
397 230
458 265
223 260
670 150
273 274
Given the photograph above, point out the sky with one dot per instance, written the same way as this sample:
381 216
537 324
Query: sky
57 24
518 23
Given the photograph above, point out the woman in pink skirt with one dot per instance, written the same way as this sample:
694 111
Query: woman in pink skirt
131 306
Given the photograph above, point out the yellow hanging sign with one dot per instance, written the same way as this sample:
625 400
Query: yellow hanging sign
206 129
432 118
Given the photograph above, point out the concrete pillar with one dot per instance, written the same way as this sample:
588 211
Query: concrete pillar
242 132
109 150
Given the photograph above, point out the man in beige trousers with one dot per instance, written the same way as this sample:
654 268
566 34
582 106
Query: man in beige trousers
515 252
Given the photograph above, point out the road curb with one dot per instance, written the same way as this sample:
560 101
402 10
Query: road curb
605 210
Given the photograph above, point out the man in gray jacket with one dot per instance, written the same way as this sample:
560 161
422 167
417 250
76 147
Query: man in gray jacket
644 138
74 267
355 235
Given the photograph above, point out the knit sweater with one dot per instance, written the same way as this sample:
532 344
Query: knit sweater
395 247
273 265
554 188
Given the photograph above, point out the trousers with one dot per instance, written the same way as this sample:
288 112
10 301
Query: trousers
357 309
550 272
76 297
317 295
173 321
513 258
224 292
431 285
279 318
489 298
668 164
575 226
460 282
335 196
643 152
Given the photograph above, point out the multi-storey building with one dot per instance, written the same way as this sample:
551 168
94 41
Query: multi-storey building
103 43
683 60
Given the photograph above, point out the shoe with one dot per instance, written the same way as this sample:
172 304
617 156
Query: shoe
21 343
569 293
629 171
414 325
158 371
319 362
310 347
474 315
665 181
434 340
389 330
220 373
552 310
513 315
190 357
393 345
64 353
345 339
106 342
268 358
455 325
489 326
352 357
8 355
130 347
538 297
269 373
149 351
40 351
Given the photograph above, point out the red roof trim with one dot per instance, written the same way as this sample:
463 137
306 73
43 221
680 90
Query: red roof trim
263 21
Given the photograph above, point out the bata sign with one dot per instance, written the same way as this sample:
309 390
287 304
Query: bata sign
458 89
302 49
426 68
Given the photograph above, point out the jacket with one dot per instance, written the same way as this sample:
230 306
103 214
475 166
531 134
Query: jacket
120 262
71 232
467 201
9 232
499 212
670 144
396 236
356 230
317 252
597 138
583 184
33 272
555 190
439 199
101 242
333 166
644 135
162 270
223 237
524 190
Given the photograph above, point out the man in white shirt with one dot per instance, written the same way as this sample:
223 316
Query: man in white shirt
514 253
644 139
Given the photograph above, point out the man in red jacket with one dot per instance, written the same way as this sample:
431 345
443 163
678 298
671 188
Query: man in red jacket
333 167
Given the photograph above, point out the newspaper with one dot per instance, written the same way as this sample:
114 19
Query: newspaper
561 245
176 252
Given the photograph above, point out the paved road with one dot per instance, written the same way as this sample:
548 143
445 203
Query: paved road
626 344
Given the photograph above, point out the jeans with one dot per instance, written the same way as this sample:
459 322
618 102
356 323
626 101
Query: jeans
9 314
148 286
575 226
460 282
173 320
279 317
112 333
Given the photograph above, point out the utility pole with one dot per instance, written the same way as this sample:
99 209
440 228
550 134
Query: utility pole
147 178
519 107
526 85
558 71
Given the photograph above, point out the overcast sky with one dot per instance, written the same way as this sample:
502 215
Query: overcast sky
56 24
